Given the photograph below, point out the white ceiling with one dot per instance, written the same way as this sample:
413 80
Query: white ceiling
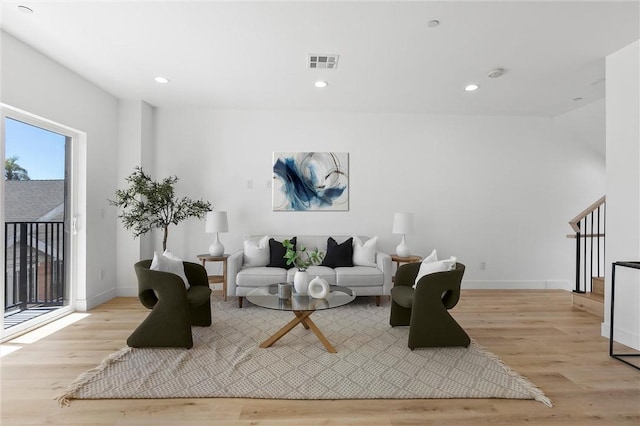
254 54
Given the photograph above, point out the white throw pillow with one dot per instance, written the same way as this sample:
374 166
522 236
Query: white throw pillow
171 256
167 262
431 264
256 252
166 253
364 254
433 257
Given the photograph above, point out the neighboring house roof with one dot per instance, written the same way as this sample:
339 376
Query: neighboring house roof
33 200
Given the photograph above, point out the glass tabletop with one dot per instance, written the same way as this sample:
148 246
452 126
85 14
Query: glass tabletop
267 297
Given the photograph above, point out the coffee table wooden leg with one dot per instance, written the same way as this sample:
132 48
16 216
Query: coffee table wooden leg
299 314
312 325
300 317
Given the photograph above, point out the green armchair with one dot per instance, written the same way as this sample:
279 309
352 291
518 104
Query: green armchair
425 308
174 309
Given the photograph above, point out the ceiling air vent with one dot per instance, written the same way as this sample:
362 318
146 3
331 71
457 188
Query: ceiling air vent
323 62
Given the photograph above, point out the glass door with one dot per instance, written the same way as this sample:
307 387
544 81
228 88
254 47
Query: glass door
37 222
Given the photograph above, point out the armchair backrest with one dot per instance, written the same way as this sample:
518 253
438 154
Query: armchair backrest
407 273
444 285
440 285
150 281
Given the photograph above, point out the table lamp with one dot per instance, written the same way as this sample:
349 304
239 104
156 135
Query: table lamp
403 224
216 222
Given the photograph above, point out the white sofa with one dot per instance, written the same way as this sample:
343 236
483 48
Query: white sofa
372 280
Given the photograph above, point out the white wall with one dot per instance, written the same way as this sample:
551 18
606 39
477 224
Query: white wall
34 83
135 139
623 192
498 190
587 125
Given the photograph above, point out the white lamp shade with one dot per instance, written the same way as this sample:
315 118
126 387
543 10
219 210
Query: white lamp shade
403 223
216 222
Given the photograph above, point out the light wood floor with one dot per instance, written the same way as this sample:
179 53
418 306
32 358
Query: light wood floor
535 332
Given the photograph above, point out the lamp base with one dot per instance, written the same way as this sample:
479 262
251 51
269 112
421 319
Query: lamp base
403 249
216 248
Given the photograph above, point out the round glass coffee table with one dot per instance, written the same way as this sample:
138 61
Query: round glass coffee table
302 307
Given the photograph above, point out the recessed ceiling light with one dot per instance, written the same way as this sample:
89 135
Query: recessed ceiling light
577 99
320 84
433 23
471 87
161 80
24 9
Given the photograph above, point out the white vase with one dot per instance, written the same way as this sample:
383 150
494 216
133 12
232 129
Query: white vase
301 282
318 288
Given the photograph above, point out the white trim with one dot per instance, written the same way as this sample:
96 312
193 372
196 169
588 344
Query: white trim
2 236
623 336
516 285
77 206
84 305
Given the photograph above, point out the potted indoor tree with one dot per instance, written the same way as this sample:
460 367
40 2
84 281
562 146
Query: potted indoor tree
147 204
301 259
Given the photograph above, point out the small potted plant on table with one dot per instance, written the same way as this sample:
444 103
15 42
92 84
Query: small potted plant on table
301 259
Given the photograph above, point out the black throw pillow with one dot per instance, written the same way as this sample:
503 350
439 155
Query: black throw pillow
277 252
338 254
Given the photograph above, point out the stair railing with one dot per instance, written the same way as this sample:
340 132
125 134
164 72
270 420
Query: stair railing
589 228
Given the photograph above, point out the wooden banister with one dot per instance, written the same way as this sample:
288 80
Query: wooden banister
585 235
574 222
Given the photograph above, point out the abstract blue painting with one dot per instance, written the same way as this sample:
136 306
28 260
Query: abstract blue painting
310 181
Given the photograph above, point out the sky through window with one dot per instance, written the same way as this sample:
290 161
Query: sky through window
39 151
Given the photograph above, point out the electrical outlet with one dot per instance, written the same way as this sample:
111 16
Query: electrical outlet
249 183
483 266
269 183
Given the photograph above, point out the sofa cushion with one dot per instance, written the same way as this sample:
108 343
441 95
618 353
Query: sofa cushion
316 271
256 251
277 252
260 276
359 276
310 242
338 255
364 254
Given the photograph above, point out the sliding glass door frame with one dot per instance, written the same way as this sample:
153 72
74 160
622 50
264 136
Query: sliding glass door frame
75 210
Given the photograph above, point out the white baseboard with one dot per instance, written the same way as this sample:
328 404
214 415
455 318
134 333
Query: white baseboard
83 305
127 292
625 337
516 285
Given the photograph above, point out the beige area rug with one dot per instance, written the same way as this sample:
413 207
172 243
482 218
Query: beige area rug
373 361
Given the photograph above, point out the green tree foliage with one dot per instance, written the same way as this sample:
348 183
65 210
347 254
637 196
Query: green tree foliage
13 170
147 204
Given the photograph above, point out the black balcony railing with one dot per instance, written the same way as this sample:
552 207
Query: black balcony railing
34 265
